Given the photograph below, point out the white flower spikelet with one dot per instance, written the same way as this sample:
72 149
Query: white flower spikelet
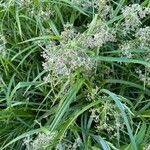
86 4
125 49
43 14
24 3
68 33
2 45
144 77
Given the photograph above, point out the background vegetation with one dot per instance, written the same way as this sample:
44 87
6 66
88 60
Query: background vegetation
101 102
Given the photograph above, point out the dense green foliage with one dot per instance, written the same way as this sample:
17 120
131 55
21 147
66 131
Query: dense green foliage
74 74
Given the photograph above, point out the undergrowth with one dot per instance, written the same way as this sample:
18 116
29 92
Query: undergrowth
74 74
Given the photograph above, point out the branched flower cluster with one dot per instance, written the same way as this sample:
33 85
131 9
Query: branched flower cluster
42 141
75 145
102 6
64 61
133 15
125 49
70 54
72 145
69 33
66 57
43 14
107 118
105 10
92 95
141 41
102 34
143 34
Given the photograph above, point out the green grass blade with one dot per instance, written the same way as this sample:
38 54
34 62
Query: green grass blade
120 60
124 116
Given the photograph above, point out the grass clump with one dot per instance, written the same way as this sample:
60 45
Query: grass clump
74 75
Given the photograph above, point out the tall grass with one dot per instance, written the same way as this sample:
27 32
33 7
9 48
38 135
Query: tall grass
106 107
